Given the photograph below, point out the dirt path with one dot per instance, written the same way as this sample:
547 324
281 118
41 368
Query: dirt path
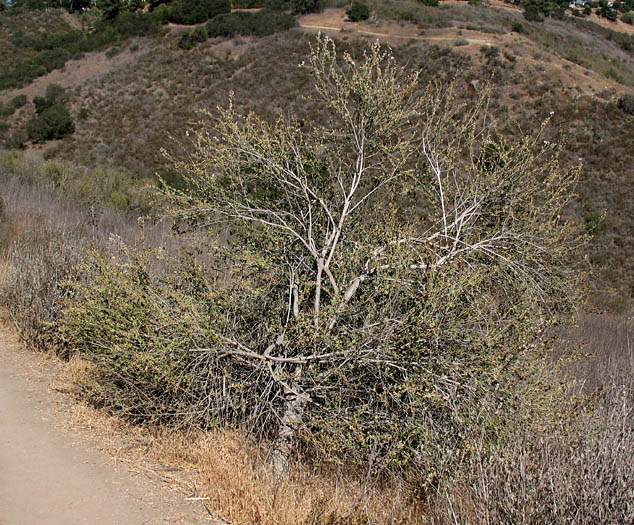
53 476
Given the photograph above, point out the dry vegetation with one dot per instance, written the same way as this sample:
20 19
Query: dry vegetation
50 214
133 111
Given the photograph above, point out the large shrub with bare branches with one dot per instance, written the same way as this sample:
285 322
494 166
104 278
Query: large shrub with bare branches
381 286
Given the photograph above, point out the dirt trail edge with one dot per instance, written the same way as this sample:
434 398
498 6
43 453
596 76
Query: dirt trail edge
52 476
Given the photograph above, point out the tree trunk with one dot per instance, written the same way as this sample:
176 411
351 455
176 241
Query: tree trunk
292 419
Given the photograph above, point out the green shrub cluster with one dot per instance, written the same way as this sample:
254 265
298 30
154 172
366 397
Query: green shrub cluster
303 7
53 120
536 10
248 4
191 12
139 328
189 40
258 23
358 11
15 103
53 123
626 103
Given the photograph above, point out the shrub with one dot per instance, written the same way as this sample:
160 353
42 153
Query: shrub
384 351
15 141
161 14
533 14
277 5
587 10
18 101
54 94
21 39
358 11
431 3
626 104
57 40
141 347
135 24
51 123
196 11
303 7
189 40
248 4
259 23
628 18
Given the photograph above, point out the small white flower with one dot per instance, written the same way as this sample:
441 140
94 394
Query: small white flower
551 113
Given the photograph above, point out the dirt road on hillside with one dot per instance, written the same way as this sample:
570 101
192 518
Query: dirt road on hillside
52 476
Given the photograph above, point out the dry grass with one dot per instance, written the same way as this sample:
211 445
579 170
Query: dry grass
231 470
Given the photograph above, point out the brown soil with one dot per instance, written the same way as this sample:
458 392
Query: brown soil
52 475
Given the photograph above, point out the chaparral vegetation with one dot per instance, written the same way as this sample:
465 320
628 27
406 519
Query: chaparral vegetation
357 290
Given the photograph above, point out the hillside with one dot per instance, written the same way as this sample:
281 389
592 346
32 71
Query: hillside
380 285
135 96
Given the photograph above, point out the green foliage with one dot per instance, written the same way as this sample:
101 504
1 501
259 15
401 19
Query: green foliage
587 10
607 12
248 4
517 27
18 101
358 11
21 39
536 10
595 223
54 122
15 103
533 13
110 9
196 11
303 7
141 346
189 40
278 5
258 23
54 94
431 3
391 310
626 104
628 18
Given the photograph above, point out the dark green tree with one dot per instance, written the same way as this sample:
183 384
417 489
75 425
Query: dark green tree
110 8
303 7
52 123
358 11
